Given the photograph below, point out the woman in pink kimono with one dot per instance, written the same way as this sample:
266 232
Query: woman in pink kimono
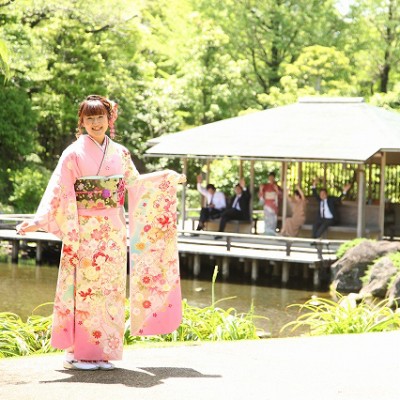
83 205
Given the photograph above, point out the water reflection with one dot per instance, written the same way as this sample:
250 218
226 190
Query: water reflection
23 287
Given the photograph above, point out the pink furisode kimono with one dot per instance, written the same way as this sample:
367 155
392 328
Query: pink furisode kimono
83 205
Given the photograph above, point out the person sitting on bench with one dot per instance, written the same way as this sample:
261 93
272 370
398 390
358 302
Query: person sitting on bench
327 212
239 207
216 203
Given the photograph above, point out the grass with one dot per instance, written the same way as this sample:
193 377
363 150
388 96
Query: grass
212 323
347 315
24 338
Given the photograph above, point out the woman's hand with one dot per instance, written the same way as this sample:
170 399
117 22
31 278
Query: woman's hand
26 226
182 178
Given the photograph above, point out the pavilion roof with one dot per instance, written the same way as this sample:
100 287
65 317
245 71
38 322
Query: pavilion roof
314 129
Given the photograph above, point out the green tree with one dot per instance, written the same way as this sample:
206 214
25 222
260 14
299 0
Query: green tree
325 69
376 27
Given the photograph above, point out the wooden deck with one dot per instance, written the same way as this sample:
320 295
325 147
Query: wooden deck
253 249
285 252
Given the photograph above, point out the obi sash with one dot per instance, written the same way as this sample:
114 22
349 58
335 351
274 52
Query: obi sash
100 192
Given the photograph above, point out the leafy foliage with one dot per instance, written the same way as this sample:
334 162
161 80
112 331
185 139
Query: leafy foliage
347 315
29 185
174 64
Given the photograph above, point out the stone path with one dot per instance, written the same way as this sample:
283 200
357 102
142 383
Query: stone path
342 367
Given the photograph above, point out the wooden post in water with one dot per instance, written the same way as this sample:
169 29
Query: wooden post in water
225 267
285 272
15 250
254 270
39 251
305 271
196 265
316 281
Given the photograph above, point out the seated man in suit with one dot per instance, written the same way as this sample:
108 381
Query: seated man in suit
239 207
216 203
327 212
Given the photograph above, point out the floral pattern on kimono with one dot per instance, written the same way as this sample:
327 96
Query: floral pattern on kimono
156 306
87 214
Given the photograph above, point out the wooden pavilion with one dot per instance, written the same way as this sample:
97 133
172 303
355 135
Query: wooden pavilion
316 129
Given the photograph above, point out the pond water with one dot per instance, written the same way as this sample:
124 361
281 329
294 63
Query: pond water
23 287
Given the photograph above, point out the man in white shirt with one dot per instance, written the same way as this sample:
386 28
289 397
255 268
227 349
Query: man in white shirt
239 207
216 203
327 211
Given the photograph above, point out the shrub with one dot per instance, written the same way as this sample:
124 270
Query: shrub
347 315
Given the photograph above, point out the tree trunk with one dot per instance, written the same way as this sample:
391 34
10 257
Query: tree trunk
384 78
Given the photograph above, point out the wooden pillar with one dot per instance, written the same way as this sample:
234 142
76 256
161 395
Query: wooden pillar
299 173
251 188
382 196
208 171
275 268
240 169
225 267
305 271
15 251
325 174
254 270
203 199
370 182
196 265
285 272
285 192
183 197
361 201
316 280
39 251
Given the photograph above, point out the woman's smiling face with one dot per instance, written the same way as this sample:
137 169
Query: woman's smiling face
96 126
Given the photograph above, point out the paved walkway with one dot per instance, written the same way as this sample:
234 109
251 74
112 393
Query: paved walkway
345 367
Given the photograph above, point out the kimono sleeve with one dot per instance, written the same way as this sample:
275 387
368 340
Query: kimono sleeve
155 292
57 212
